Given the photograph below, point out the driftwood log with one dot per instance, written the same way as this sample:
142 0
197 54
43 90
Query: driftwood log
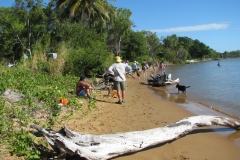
96 147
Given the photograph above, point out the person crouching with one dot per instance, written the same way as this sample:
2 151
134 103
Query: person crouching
83 88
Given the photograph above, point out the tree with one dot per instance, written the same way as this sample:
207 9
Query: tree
234 54
91 10
154 44
118 29
171 42
135 46
28 22
169 55
87 55
182 54
9 28
185 42
213 54
199 50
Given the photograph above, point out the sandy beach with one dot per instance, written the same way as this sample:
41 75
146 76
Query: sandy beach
144 109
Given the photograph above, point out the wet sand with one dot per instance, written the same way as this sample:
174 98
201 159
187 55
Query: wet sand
145 109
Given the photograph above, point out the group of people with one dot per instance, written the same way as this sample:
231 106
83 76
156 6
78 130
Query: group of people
118 70
159 65
137 71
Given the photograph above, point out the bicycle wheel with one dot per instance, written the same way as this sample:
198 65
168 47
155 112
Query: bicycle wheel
97 85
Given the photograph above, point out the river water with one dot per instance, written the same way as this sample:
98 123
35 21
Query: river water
216 87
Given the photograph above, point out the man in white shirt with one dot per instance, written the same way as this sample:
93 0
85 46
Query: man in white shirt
118 70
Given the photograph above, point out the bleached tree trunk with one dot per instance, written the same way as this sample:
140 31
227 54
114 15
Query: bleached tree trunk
96 147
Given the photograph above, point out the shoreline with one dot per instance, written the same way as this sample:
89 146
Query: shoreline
183 100
143 110
198 108
208 91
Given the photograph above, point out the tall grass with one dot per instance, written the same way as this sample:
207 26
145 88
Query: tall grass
39 61
56 66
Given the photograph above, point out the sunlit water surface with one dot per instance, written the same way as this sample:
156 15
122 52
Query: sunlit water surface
214 86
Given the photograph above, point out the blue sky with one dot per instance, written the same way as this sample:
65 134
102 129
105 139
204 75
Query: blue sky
216 23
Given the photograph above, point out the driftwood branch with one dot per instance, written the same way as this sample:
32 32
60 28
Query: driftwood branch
107 146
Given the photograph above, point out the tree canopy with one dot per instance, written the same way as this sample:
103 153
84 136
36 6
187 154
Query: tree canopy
92 31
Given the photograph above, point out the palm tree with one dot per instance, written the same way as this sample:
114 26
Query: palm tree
92 10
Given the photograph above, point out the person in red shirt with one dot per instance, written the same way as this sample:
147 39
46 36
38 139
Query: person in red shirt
83 88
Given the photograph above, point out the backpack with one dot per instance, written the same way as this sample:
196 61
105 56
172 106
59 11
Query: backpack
134 66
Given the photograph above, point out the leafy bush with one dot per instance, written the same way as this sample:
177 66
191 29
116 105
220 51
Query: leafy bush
170 55
89 61
42 93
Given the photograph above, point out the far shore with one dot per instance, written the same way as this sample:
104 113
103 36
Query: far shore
191 61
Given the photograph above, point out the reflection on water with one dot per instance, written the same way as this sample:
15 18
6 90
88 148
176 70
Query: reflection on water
181 98
177 98
234 136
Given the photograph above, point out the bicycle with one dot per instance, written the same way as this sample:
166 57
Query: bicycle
105 82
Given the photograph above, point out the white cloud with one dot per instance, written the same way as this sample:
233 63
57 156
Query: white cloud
213 26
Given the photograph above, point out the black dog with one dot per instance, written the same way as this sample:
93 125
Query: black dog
182 88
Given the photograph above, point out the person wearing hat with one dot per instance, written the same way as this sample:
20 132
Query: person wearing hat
83 88
134 67
118 71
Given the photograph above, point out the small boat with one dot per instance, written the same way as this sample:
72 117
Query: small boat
169 82
161 80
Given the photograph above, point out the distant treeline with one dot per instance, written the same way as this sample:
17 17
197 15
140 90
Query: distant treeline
86 36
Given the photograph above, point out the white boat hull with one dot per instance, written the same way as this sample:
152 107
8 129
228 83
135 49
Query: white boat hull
169 82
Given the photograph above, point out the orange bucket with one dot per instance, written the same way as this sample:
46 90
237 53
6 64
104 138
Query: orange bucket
64 100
